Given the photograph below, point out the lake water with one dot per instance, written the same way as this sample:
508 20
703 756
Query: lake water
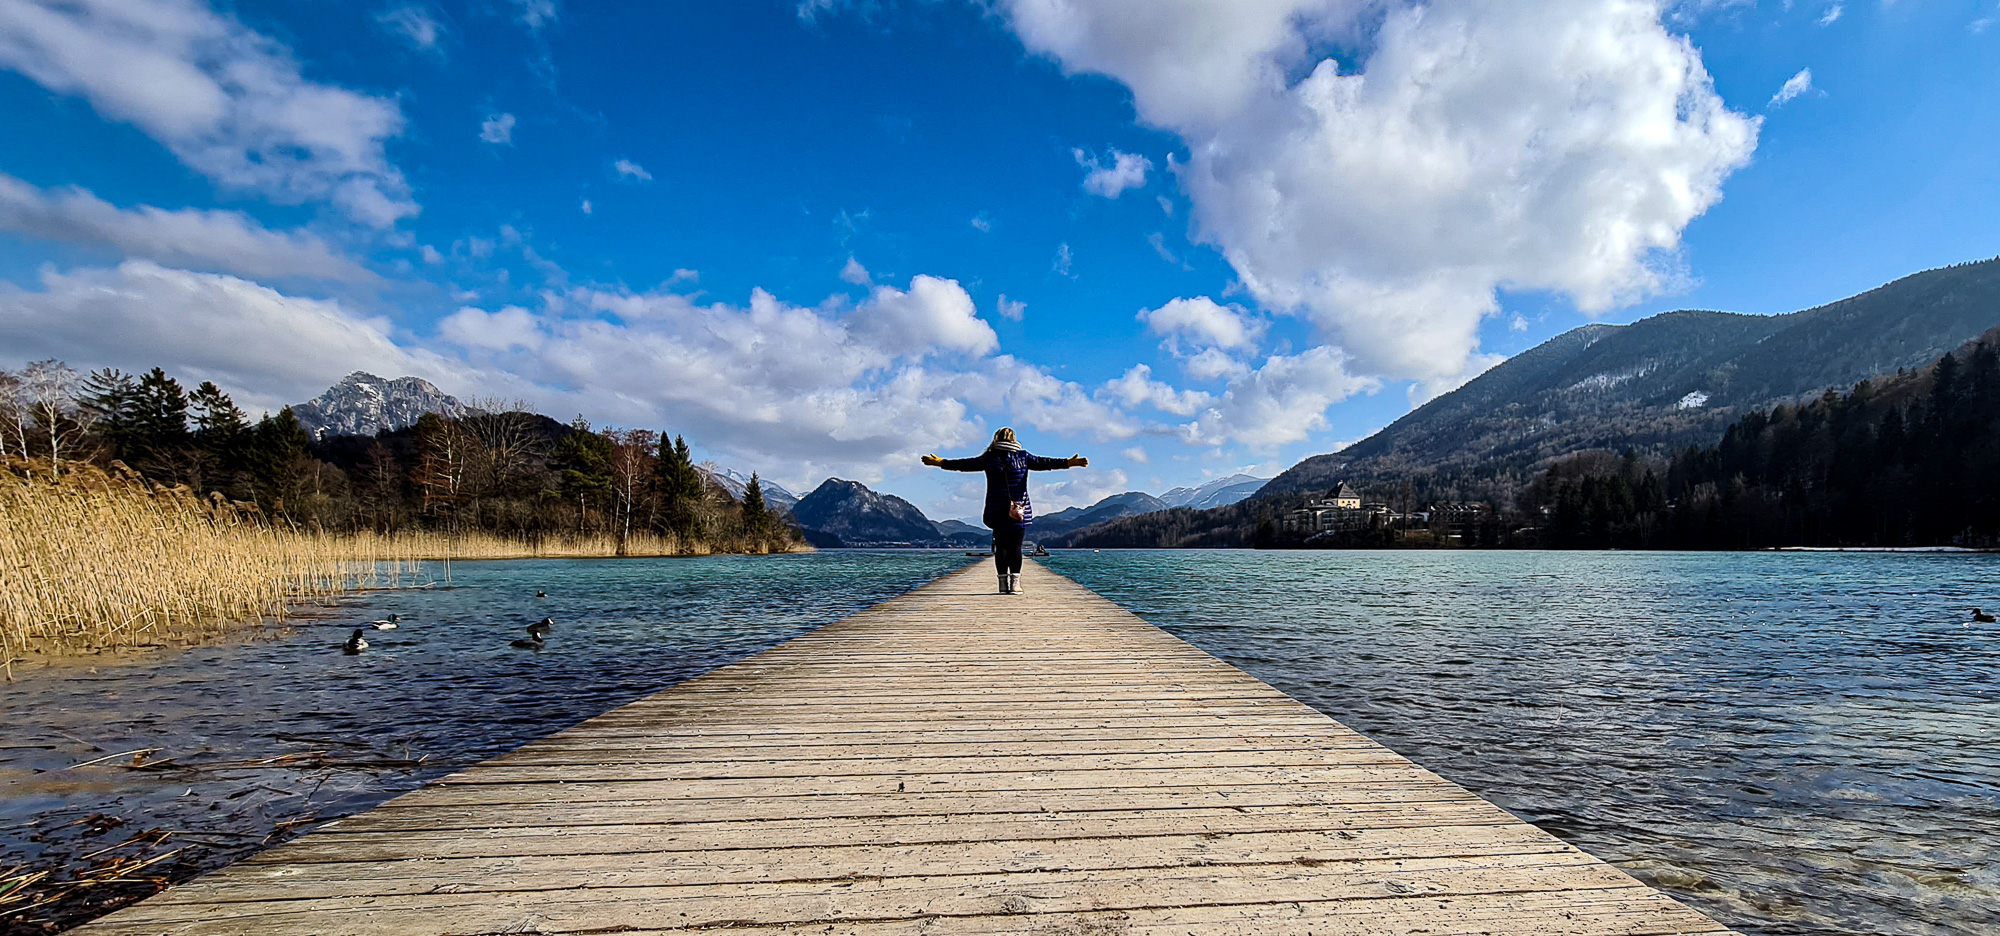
1795 743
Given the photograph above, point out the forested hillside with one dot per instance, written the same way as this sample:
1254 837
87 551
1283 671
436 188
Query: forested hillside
1657 385
1908 461
514 474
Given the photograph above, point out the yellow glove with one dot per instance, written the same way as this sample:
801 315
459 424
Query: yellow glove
933 460
1078 461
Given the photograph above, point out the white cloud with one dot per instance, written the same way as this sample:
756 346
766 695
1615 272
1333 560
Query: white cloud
511 327
982 223
855 273
1137 454
1137 388
1280 402
1111 179
935 314
1010 309
628 169
901 373
415 24
214 240
1796 85
1061 490
1064 259
430 255
1213 363
498 128
886 380
1832 14
1481 144
1204 323
586 207
230 103
278 349
1048 403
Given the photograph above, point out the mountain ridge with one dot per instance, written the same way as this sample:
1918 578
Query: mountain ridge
362 404
1667 380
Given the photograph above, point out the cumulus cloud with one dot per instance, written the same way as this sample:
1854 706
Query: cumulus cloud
1109 178
1011 310
1478 145
1137 388
1213 363
1204 323
1796 85
1137 454
1282 401
279 349
935 314
1064 489
498 128
903 372
897 375
213 240
414 24
230 103
628 169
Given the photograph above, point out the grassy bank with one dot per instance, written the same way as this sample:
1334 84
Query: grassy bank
97 562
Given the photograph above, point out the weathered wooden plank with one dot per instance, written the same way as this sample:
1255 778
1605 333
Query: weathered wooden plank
1342 824
948 761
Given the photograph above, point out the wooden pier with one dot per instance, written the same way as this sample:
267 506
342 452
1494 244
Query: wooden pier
949 761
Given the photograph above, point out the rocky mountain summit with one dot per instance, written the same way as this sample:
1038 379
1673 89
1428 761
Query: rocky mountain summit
848 513
735 482
362 404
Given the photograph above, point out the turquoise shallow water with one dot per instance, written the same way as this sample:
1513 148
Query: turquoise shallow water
1795 743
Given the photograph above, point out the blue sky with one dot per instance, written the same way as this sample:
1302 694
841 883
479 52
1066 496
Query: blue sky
1187 238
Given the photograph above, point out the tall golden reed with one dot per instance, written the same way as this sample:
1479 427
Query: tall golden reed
95 562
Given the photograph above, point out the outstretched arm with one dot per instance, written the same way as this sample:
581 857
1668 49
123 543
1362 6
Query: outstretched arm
1038 463
974 463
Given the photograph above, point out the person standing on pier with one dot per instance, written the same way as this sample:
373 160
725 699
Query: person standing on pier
1008 511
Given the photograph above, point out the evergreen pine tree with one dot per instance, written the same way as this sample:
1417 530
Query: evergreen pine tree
682 490
756 517
111 397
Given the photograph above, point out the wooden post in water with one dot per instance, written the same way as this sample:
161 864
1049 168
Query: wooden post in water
949 761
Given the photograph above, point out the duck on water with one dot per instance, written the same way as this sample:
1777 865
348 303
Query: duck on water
537 638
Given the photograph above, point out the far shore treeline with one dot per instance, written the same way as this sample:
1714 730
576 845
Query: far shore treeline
511 474
1905 460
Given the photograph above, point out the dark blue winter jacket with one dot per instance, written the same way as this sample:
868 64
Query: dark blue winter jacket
1006 482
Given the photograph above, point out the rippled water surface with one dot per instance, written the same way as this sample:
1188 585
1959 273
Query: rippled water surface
1793 742
286 727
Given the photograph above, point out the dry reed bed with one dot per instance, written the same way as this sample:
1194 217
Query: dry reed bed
97 562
